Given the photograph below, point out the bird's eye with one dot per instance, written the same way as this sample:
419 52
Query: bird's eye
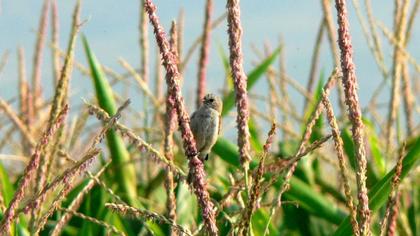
211 100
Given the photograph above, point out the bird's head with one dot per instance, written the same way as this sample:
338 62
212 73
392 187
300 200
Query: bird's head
213 101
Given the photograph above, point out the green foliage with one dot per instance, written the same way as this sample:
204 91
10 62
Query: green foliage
380 192
125 175
253 77
313 205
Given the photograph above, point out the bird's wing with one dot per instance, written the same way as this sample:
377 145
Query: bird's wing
194 123
196 128
220 125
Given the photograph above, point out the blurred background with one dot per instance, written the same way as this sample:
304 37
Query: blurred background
112 28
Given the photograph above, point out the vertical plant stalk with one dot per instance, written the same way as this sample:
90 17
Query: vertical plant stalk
196 167
305 138
377 48
180 38
170 124
329 24
144 44
24 96
283 86
400 25
2 202
204 54
39 49
273 99
314 62
413 14
332 38
355 115
240 82
10 213
55 35
406 83
389 220
60 98
158 78
244 226
408 99
144 68
338 145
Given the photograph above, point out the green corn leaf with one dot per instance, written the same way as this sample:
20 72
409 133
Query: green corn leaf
259 221
253 76
314 202
300 192
6 188
378 195
125 176
378 157
226 67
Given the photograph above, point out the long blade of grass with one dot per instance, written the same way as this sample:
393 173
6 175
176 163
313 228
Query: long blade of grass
6 187
125 176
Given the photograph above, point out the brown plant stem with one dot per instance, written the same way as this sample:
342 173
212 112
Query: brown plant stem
332 38
110 228
240 82
355 116
204 54
55 40
75 204
60 98
389 219
170 126
282 76
400 24
10 213
136 140
375 47
24 96
338 145
196 167
408 99
180 38
144 44
8 110
314 62
133 212
63 179
255 193
39 49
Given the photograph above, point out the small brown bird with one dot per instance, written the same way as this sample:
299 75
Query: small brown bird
206 124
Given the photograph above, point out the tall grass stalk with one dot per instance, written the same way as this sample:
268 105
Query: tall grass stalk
240 83
355 116
37 59
196 168
10 213
204 53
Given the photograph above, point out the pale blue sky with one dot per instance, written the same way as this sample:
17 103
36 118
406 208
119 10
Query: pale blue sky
112 30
